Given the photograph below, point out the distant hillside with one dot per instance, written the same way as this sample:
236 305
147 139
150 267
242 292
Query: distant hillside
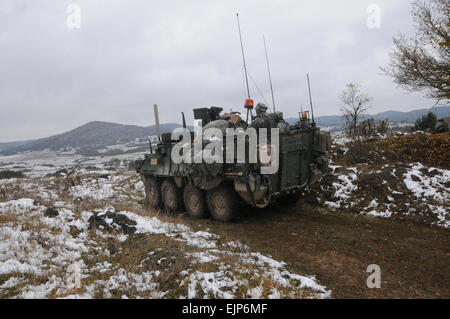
91 135
395 116
4 146
412 116
94 136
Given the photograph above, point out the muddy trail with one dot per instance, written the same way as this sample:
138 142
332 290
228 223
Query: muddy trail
338 246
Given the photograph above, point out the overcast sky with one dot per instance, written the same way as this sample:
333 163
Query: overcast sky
127 55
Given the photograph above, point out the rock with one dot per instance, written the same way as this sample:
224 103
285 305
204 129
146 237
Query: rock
422 208
111 221
112 248
74 231
51 212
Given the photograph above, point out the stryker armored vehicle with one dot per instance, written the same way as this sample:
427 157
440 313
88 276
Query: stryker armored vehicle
223 189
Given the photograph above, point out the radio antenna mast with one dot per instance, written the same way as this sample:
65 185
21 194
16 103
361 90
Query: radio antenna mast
245 67
310 99
268 71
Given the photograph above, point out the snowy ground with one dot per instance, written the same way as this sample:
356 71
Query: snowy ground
41 163
54 228
389 190
92 222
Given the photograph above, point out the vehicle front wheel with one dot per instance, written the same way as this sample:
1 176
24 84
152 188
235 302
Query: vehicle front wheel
171 196
195 201
152 192
222 203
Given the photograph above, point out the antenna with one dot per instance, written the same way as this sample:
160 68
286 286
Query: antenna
270 77
243 55
310 98
248 103
257 88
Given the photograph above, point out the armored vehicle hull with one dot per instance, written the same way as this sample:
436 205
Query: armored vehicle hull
220 189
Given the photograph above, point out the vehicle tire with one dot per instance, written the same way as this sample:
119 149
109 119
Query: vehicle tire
152 192
195 201
171 196
223 203
289 199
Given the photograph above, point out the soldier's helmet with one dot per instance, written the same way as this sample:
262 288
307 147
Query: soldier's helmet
261 108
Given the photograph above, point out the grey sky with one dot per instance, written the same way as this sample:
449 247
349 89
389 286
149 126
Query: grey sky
128 55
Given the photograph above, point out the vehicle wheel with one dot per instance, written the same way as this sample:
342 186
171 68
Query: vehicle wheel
152 192
194 201
222 203
171 196
289 199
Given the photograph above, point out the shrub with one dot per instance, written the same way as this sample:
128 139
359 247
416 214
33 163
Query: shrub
11 174
430 150
371 127
426 122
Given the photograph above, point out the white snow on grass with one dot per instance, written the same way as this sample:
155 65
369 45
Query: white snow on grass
428 192
37 247
345 186
426 186
41 163
213 283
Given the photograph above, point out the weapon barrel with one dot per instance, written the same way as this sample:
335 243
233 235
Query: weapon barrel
158 128
184 120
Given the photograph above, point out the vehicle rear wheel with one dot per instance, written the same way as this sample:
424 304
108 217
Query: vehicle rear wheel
171 196
194 201
152 192
222 203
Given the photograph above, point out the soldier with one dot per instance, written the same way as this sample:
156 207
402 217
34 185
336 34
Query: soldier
261 109
214 113
281 123
261 120
235 118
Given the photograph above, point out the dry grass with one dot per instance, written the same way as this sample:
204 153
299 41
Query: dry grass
432 150
336 246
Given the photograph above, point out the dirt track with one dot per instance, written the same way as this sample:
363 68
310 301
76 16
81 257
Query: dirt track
337 247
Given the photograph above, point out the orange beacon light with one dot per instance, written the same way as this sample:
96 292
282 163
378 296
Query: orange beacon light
248 104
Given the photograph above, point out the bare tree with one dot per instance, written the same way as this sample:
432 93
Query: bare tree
354 103
423 63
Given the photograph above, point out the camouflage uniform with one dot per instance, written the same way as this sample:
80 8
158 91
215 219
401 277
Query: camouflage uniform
261 120
281 123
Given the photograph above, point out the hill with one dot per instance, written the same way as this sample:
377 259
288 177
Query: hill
93 135
394 116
